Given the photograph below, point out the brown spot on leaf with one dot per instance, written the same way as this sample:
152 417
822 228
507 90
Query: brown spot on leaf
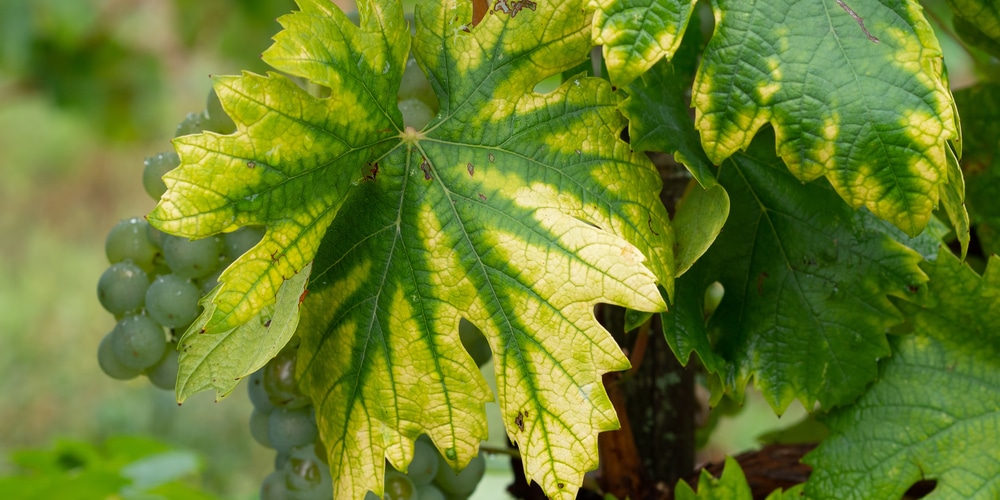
471 168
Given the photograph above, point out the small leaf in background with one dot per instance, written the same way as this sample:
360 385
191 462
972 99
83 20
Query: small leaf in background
934 412
636 34
732 485
855 91
700 216
978 23
218 361
980 109
806 281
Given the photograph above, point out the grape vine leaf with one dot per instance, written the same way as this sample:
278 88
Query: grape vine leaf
946 376
636 34
806 308
514 209
856 93
980 20
980 109
732 485
275 169
218 361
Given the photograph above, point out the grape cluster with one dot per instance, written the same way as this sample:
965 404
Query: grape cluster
283 419
156 280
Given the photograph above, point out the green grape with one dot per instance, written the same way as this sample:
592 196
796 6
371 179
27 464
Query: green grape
110 364
279 381
164 373
243 239
424 465
172 301
398 486
415 85
258 427
289 428
193 123
474 342
138 341
192 258
122 288
416 113
129 240
463 483
208 283
713 297
258 396
152 172
430 492
306 477
216 118
279 459
273 487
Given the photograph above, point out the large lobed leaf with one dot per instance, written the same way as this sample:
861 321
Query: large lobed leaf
277 168
934 412
806 279
855 91
517 210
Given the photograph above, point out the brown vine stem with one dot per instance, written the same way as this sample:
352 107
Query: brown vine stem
860 21
511 452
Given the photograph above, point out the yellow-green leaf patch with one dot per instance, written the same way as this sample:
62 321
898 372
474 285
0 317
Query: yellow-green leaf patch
855 91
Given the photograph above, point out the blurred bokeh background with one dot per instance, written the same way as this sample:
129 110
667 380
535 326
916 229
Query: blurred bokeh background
88 89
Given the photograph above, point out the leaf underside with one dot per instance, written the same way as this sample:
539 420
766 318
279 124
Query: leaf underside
944 376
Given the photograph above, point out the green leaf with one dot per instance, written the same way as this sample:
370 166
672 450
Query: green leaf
980 109
700 216
933 413
855 91
659 114
806 280
218 361
732 485
636 34
981 20
293 158
517 210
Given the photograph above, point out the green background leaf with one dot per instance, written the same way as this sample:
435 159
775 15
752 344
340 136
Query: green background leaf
980 109
636 34
873 118
934 412
806 281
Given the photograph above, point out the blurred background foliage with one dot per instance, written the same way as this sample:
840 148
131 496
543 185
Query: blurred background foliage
88 89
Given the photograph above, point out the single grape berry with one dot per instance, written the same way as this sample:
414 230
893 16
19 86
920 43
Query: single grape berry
258 428
258 396
216 118
138 341
193 123
415 85
279 381
243 239
273 487
424 465
129 240
164 373
172 301
306 477
463 483
192 258
153 170
110 364
416 113
398 486
287 429
122 288
430 492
